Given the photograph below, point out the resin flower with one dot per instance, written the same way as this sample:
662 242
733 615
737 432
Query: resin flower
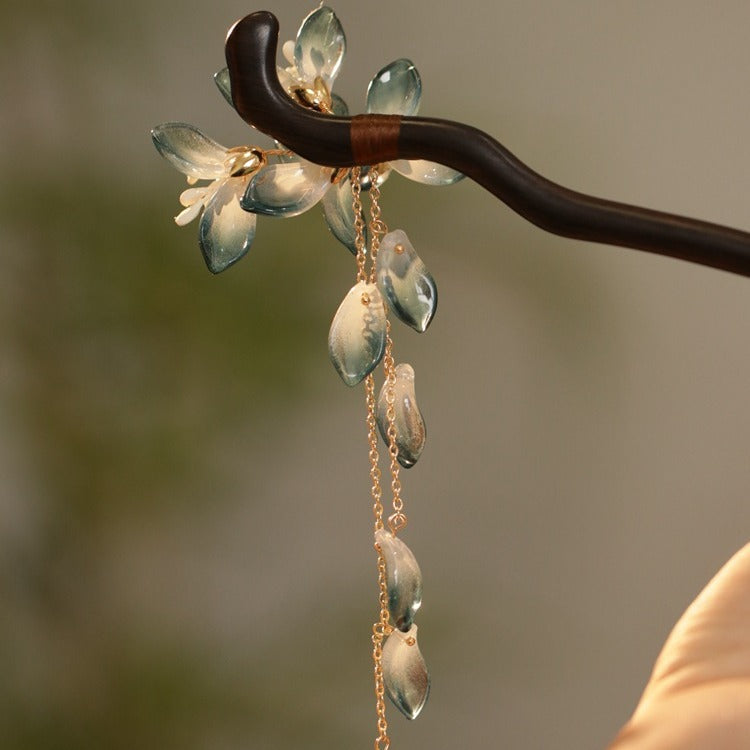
226 231
314 61
295 185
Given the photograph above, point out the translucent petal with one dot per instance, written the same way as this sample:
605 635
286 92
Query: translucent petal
187 149
188 214
395 90
287 189
226 231
426 172
191 195
356 341
221 79
405 282
411 432
287 49
339 213
320 46
339 106
405 675
384 173
404 579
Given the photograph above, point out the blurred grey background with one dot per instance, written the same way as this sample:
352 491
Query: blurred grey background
185 538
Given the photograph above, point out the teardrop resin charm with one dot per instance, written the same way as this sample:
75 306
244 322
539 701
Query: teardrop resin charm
403 579
411 432
405 675
405 282
356 341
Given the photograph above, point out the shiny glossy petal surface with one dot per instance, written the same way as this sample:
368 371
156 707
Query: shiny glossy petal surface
339 106
405 676
287 189
410 428
356 341
221 79
384 173
226 231
339 213
189 150
395 90
320 46
404 579
405 282
426 172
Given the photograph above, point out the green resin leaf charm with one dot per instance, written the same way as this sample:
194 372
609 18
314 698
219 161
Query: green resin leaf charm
405 282
411 432
356 341
405 676
403 579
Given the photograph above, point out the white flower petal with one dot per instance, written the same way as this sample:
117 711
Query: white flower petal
191 195
287 50
190 213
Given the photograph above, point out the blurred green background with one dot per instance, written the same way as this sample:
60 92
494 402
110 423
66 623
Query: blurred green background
185 540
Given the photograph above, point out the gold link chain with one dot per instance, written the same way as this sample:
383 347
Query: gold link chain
378 229
382 628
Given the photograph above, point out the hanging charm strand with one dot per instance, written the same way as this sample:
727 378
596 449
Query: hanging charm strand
381 628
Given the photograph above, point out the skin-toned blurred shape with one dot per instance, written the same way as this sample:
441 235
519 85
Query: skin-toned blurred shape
699 692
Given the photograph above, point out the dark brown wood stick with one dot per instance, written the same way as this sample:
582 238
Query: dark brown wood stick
370 139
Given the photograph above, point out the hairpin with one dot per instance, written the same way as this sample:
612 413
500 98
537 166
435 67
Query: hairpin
244 182
322 155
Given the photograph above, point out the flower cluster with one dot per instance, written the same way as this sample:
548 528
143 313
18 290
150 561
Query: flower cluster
240 183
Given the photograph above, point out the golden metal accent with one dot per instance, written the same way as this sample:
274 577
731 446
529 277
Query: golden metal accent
339 175
398 249
382 628
245 160
316 97
359 223
378 228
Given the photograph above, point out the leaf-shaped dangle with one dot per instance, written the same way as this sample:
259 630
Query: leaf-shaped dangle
405 282
226 231
356 341
403 579
339 214
405 675
411 432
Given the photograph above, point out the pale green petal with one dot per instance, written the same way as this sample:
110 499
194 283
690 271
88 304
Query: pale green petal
395 90
405 676
403 579
338 209
411 432
320 46
405 282
356 341
287 189
221 79
226 231
189 150
426 172
339 106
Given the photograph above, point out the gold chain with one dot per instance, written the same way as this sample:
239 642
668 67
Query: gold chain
382 628
378 229
359 223
398 519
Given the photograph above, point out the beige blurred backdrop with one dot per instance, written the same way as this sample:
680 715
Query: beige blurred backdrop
185 539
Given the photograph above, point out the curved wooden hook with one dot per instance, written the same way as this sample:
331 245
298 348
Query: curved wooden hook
370 139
